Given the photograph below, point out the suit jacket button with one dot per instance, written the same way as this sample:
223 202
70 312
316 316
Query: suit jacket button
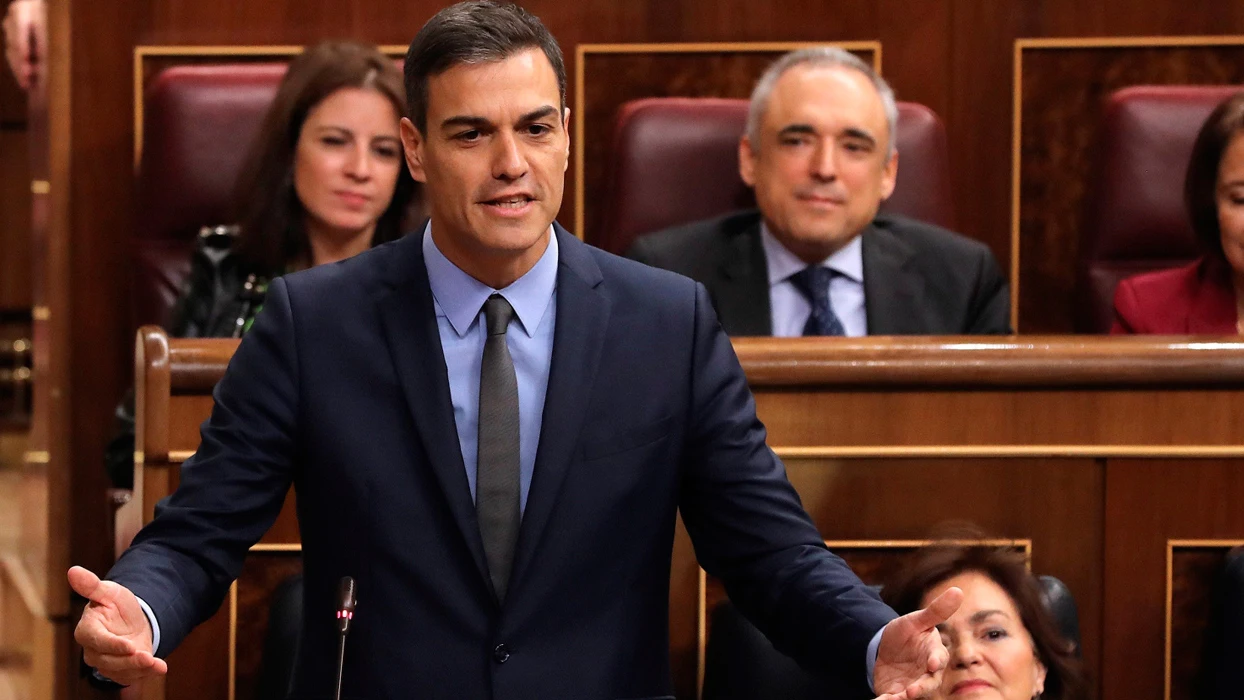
501 653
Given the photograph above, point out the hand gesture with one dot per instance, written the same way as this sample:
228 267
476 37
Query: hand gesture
114 631
911 656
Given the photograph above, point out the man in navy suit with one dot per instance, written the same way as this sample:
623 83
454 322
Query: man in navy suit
491 427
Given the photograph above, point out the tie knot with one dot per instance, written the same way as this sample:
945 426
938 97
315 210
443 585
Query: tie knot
813 282
497 314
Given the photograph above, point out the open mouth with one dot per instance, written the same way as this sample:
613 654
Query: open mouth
514 202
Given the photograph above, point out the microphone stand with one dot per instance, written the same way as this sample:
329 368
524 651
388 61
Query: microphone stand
346 600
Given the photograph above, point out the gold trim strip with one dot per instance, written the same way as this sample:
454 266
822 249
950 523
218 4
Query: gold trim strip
40 187
1109 42
37 457
737 46
1017 97
952 451
580 80
914 451
141 53
1171 545
233 640
277 547
41 313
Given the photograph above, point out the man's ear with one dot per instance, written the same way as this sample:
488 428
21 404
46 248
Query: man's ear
566 128
889 176
747 161
412 147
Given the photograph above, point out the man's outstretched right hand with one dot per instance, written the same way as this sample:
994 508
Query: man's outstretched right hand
114 632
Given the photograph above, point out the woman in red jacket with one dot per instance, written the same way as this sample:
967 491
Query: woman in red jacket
1207 296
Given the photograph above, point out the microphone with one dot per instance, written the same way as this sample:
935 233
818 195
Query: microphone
346 600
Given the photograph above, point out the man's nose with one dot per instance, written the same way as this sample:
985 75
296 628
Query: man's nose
509 163
825 161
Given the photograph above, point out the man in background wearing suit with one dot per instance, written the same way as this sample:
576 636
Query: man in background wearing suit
817 258
491 426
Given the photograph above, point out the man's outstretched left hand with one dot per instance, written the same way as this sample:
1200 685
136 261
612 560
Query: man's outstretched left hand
911 656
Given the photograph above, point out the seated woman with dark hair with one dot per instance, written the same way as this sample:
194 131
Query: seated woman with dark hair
1206 296
1003 642
324 180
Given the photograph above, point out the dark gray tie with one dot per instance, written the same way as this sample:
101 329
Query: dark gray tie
497 470
813 282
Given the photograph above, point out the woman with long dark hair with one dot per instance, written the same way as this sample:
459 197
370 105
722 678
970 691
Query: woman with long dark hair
324 180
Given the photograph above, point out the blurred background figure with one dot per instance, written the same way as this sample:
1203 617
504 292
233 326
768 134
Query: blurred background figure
1003 641
25 39
1203 297
324 180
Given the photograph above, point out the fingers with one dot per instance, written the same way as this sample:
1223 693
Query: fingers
126 670
939 656
94 637
924 687
938 611
84 583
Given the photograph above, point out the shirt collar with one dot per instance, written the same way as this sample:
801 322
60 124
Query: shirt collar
848 261
459 296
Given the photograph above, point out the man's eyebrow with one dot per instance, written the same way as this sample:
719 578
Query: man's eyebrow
466 120
793 129
857 133
538 114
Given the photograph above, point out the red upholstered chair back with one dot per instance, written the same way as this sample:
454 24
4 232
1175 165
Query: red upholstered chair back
198 122
674 160
1135 220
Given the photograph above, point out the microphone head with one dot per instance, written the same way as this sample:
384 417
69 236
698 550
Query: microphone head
346 600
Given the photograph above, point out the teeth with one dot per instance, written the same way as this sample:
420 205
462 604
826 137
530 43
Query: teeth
511 202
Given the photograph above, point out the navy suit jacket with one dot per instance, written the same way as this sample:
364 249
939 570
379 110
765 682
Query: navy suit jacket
341 390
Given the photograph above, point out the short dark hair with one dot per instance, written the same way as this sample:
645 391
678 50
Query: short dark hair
1201 181
476 31
939 562
271 218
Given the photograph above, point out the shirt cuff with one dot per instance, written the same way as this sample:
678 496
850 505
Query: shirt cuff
871 659
155 633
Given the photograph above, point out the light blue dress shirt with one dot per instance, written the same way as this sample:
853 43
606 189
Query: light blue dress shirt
459 302
790 309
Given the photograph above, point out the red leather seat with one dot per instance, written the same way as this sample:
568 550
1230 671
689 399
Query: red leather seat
1135 220
675 160
198 122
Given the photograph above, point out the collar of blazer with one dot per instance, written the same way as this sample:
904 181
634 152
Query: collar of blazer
891 289
409 323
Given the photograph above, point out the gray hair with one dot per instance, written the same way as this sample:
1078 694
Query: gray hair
820 56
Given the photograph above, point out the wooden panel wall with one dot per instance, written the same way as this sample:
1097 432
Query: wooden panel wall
952 55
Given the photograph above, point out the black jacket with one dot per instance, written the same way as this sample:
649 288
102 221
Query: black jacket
919 279
219 299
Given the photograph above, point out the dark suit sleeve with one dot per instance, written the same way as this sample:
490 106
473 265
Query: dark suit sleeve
991 300
750 530
231 490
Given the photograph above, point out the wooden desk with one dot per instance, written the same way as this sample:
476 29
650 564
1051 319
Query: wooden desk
1116 462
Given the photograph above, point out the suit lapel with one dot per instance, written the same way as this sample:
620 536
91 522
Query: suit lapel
891 292
741 292
409 319
582 319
